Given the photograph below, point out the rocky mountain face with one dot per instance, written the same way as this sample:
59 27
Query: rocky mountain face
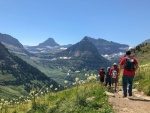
104 47
83 55
108 47
13 45
16 72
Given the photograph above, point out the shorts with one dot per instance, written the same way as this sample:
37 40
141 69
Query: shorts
114 80
101 79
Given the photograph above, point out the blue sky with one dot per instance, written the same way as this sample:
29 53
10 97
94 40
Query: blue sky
68 21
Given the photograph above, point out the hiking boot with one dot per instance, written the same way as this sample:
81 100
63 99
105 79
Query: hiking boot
124 96
130 94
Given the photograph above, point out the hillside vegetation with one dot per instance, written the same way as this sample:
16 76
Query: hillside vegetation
142 78
17 77
86 97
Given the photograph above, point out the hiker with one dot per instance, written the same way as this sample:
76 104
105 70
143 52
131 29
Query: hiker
129 65
108 77
102 75
114 72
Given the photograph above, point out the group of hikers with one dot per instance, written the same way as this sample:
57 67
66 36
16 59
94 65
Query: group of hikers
129 65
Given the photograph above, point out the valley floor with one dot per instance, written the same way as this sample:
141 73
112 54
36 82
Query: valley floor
138 103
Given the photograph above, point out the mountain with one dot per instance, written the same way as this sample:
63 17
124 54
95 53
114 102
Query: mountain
49 46
104 47
18 76
83 55
13 44
108 47
49 42
145 42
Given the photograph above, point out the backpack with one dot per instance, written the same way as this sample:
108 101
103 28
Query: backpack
114 73
129 64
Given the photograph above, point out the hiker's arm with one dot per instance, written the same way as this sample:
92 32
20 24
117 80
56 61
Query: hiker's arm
136 67
120 68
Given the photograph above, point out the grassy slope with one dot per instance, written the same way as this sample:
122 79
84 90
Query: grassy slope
143 55
52 69
88 98
143 74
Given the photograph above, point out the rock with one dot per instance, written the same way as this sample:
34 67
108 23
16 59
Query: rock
110 94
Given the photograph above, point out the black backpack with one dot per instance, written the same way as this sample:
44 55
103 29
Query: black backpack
129 64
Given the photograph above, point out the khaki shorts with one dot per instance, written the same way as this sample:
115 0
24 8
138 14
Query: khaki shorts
114 80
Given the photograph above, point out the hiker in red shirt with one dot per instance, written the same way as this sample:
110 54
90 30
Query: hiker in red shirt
114 72
129 65
102 75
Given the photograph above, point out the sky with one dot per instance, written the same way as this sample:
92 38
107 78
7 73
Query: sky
68 21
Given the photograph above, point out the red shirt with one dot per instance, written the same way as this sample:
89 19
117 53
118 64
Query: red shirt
102 73
126 72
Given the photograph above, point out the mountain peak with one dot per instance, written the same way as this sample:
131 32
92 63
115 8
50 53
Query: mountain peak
49 42
84 55
86 38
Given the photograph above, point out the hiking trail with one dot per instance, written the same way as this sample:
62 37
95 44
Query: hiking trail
138 103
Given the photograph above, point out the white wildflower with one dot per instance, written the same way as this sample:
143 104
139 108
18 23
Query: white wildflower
65 81
77 79
51 86
73 84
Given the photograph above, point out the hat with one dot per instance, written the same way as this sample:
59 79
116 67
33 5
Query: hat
115 64
108 68
102 68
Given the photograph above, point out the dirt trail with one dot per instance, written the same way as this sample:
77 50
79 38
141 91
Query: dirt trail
138 103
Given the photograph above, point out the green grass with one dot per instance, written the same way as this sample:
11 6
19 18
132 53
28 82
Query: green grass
143 74
143 77
87 98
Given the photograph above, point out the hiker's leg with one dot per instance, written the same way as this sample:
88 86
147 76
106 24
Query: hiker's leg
115 86
116 83
110 81
130 84
124 85
106 81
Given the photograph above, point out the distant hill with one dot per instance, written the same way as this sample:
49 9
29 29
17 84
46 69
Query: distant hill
108 47
142 52
84 55
13 44
145 42
14 73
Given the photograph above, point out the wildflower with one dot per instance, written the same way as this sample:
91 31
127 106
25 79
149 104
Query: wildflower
56 89
32 92
77 71
65 81
73 83
2 100
77 79
91 78
41 93
51 86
